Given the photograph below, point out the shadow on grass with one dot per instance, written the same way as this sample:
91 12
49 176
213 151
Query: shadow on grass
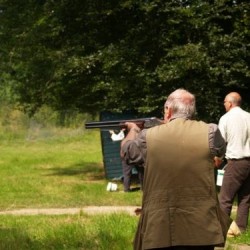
14 238
89 171
18 239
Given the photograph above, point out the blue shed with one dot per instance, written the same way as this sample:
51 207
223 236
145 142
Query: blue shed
111 149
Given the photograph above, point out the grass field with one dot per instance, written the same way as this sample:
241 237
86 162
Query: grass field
67 232
60 169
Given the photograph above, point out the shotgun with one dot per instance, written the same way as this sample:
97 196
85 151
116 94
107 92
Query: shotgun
142 123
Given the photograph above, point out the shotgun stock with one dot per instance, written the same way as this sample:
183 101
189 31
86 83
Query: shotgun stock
147 122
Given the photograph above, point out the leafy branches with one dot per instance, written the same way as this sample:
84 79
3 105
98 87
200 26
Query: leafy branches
124 55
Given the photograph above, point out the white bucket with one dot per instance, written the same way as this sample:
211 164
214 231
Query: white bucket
111 187
220 175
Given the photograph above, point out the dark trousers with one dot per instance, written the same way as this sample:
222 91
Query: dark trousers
236 183
127 174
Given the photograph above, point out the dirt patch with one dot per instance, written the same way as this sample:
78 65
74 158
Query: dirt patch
57 211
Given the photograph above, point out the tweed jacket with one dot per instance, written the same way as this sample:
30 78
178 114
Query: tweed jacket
180 205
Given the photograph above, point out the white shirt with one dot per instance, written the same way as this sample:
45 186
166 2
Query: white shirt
235 129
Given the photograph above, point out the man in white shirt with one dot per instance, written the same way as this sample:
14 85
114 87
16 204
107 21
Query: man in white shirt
235 129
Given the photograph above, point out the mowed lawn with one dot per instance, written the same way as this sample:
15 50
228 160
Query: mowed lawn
57 170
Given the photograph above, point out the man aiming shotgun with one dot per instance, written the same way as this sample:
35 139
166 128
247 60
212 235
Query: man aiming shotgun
180 209
120 125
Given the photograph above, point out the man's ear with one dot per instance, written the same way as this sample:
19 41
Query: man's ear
168 114
231 105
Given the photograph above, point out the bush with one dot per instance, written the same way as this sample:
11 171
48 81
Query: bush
45 123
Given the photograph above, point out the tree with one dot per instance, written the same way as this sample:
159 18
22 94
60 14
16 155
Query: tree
123 54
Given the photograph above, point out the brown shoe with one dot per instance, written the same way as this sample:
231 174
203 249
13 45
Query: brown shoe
233 231
138 211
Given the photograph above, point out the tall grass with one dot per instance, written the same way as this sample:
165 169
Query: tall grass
114 232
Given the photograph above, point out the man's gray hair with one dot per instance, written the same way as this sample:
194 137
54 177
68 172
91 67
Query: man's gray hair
182 103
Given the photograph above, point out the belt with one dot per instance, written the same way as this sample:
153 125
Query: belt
240 159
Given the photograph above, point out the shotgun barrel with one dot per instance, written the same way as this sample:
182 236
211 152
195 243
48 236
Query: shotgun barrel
147 122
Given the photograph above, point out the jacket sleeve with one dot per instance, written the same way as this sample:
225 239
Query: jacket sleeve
134 151
217 143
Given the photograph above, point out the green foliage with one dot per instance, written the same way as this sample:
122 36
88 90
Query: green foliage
44 123
124 55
